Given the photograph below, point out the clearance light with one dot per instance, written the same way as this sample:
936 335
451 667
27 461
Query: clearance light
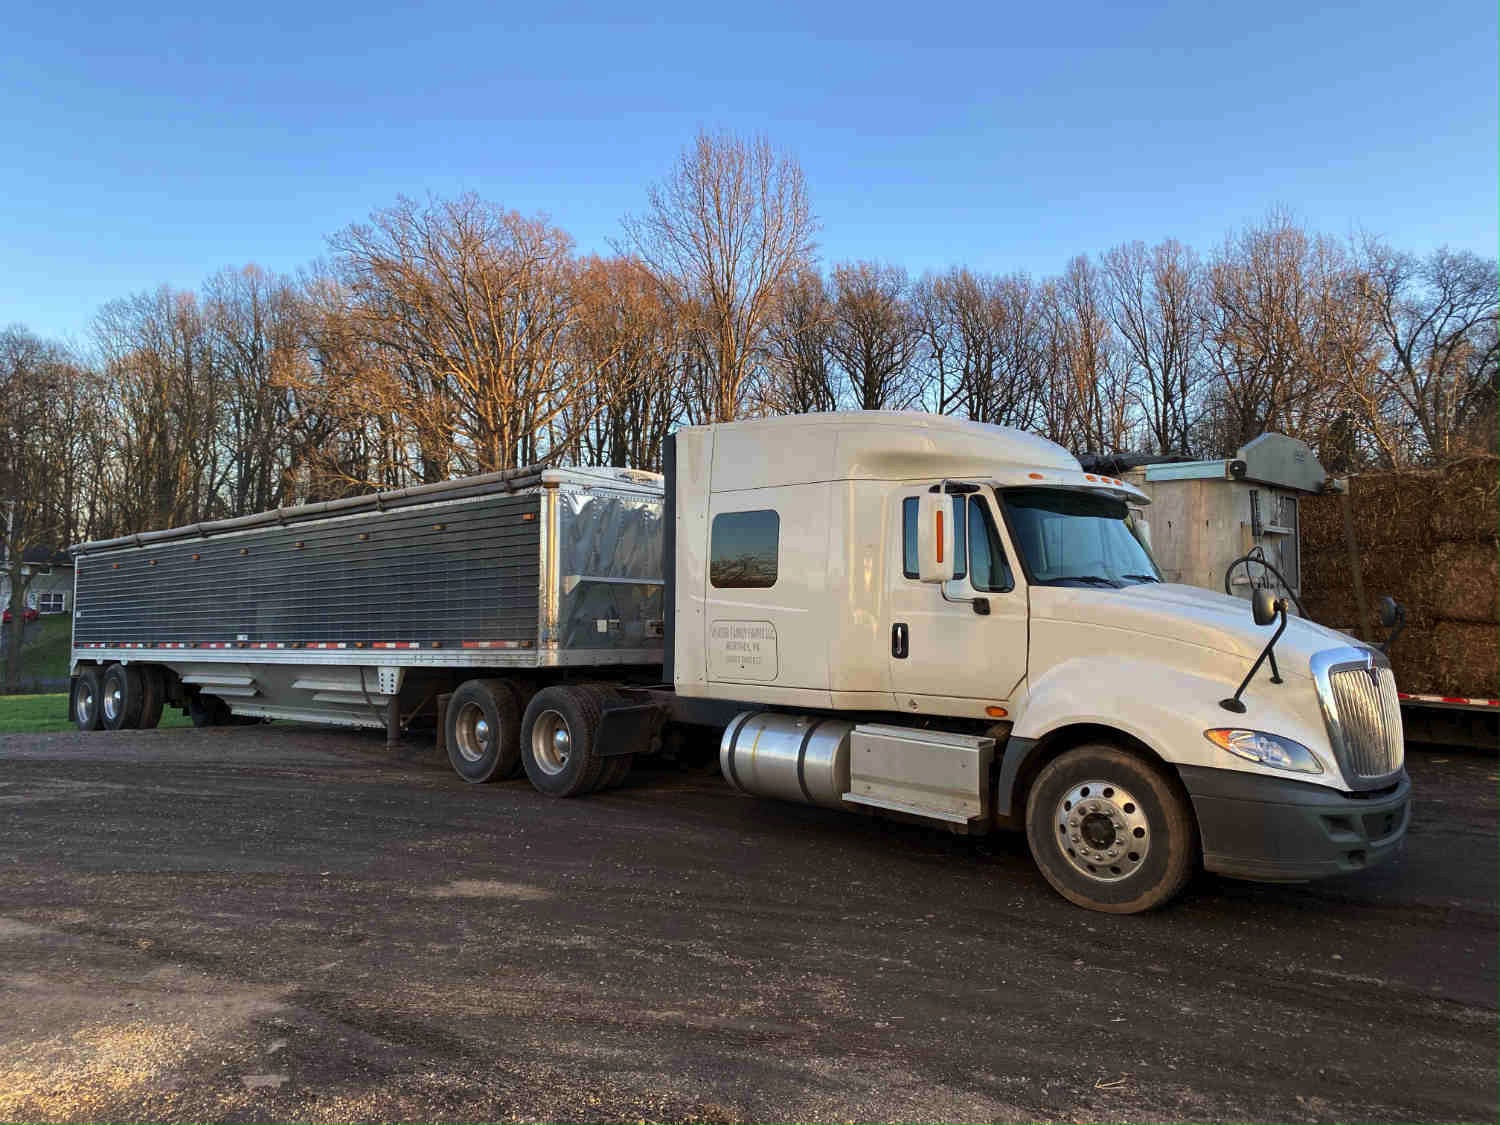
1036 476
996 712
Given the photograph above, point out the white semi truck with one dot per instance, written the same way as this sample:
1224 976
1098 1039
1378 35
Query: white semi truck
892 614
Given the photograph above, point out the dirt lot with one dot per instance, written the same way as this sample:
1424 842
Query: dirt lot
270 924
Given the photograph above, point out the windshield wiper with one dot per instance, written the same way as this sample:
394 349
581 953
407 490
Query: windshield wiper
1142 577
1095 579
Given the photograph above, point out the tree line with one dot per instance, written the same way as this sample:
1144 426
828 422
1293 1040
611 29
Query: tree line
453 336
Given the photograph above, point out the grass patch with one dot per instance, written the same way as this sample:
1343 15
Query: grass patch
45 657
43 714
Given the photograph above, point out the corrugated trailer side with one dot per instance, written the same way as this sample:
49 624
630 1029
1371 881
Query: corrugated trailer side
365 611
438 575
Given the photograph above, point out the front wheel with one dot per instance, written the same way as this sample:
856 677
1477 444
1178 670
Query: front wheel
1109 831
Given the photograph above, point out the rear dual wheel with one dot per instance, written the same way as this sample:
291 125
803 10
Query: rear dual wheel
483 731
85 701
560 741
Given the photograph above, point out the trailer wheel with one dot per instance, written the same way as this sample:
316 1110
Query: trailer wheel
153 696
121 697
207 710
483 731
87 714
557 740
1109 831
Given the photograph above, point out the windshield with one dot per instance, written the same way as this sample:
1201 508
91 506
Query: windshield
1077 538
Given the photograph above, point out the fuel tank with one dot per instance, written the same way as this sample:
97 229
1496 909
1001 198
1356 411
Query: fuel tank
800 758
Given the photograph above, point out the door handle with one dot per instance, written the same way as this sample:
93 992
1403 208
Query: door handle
899 640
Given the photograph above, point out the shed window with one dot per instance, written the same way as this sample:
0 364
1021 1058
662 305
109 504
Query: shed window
743 550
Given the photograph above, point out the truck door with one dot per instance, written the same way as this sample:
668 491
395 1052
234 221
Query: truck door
941 647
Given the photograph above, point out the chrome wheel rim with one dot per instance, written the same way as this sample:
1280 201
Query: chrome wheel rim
83 706
551 742
114 702
473 733
1102 831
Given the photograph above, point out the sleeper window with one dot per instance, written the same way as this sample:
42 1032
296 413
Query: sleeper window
743 550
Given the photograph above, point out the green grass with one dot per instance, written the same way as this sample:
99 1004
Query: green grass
46 657
42 714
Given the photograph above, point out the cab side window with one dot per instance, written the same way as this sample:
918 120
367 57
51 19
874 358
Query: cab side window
988 571
976 542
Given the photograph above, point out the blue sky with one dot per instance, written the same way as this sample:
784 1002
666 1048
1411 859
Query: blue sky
158 145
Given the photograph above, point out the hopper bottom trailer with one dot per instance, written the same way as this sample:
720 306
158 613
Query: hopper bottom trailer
895 615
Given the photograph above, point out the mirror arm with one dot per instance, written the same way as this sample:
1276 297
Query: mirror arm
1233 703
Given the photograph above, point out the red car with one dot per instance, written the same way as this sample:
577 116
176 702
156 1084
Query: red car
27 616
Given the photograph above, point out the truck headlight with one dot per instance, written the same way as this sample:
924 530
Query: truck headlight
1267 749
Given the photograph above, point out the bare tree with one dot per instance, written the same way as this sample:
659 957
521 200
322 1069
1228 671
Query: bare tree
166 395
722 233
982 343
626 337
1437 318
1154 298
800 376
471 307
36 514
876 335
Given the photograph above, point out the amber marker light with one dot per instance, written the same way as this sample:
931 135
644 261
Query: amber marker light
996 712
1036 476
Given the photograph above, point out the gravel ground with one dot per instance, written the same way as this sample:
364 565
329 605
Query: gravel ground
278 923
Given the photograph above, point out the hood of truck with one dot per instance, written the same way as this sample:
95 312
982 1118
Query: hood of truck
1188 614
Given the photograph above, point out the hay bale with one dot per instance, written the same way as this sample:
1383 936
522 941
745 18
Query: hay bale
1462 582
1407 507
1467 659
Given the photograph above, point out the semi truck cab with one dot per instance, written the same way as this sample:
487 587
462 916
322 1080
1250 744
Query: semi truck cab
953 622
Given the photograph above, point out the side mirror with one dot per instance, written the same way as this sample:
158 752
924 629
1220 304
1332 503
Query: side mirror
1392 616
1263 606
935 562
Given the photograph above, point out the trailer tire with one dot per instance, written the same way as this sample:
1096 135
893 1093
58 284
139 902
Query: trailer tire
1110 831
207 710
557 740
121 697
153 696
483 731
84 704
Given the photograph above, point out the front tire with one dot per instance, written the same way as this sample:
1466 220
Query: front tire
483 731
1110 831
84 704
122 696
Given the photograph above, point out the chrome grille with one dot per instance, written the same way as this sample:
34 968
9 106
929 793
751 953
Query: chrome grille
1369 719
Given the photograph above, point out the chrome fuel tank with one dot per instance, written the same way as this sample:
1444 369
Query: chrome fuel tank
799 758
